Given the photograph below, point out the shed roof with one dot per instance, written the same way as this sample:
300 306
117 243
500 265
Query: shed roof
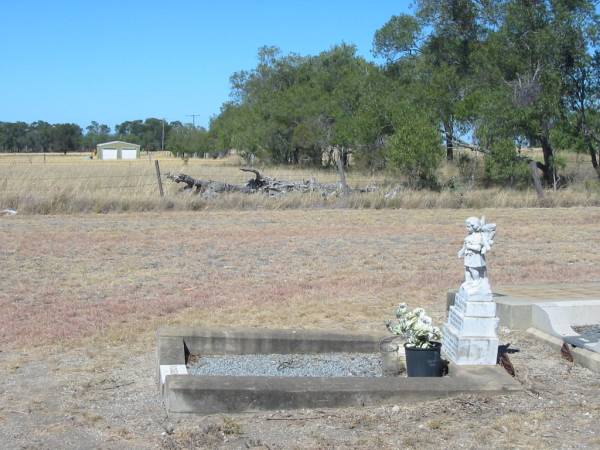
112 143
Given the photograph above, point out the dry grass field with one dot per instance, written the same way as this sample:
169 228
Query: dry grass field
73 184
82 296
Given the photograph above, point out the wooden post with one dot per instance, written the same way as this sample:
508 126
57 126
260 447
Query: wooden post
160 187
536 179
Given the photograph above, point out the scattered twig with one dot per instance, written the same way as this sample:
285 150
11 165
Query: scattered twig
116 386
295 418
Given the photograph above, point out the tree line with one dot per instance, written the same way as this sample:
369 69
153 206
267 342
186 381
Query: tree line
492 76
152 134
489 75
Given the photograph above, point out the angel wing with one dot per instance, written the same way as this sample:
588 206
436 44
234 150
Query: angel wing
489 233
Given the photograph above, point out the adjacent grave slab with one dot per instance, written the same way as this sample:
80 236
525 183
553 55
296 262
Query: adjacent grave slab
516 303
188 394
552 309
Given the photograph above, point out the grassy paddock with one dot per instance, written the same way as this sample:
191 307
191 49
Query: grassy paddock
118 277
72 184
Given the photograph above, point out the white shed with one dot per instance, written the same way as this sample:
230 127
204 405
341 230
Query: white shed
117 150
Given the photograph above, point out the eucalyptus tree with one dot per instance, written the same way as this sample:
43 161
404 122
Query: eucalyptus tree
529 71
294 108
13 136
40 136
583 122
188 139
96 133
432 52
66 137
150 133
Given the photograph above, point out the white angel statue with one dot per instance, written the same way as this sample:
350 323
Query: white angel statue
477 243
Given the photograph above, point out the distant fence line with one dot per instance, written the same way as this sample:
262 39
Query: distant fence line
24 174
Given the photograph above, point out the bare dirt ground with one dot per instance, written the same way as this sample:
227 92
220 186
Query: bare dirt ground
81 298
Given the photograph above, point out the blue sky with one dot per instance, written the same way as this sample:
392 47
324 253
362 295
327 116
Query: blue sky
110 61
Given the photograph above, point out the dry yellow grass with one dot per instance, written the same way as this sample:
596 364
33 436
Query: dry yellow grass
72 184
316 268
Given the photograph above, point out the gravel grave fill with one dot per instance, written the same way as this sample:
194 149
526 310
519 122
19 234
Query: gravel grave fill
296 365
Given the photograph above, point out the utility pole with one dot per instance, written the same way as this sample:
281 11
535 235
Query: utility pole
193 116
162 139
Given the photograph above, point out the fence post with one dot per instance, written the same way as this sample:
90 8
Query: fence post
160 187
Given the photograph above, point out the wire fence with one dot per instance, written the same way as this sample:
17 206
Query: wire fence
19 173
89 175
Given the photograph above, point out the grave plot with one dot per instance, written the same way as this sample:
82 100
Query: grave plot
181 350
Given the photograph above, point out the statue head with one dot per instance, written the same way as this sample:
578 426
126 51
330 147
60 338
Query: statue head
473 224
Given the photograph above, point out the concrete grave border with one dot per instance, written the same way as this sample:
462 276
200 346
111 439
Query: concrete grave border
186 394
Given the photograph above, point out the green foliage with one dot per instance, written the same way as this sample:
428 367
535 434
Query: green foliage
39 137
398 37
187 139
148 133
467 168
291 108
96 133
534 74
502 166
415 148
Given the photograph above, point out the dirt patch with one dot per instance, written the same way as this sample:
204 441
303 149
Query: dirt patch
82 297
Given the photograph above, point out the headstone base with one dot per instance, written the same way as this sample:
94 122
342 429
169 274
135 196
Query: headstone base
472 326
469 350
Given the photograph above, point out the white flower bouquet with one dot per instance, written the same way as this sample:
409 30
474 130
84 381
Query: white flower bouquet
415 327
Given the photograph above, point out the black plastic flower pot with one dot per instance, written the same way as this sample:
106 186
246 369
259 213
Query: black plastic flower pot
424 362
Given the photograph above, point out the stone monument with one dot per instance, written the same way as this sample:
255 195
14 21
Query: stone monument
470 336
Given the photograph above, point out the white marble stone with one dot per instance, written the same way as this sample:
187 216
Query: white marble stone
475 309
476 291
469 351
171 369
472 326
470 337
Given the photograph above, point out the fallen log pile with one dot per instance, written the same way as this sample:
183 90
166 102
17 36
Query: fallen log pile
260 183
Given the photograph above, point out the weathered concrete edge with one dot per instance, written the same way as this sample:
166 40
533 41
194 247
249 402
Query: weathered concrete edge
180 331
170 357
260 341
583 357
210 395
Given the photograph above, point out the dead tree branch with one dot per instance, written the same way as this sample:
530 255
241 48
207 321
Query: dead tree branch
261 183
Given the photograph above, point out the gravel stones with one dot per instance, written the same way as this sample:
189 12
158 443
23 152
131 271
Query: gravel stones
296 365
